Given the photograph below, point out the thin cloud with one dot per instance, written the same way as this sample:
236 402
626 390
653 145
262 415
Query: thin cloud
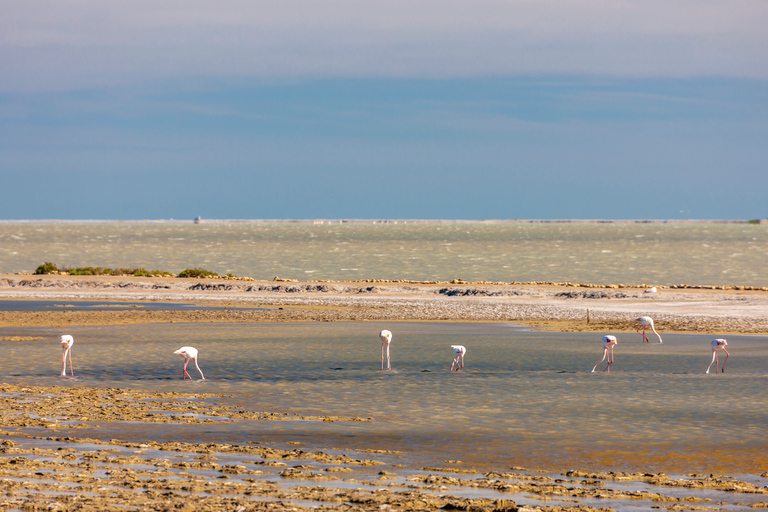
49 44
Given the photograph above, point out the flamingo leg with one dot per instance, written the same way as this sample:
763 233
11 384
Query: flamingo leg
383 350
184 372
605 353
64 361
199 370
714 359
610 361
645 338
722 368
455 361
71 370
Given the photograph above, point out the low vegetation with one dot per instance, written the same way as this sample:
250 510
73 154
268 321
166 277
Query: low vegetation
197 272
52 268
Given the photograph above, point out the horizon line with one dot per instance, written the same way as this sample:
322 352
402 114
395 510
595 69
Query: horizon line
320 221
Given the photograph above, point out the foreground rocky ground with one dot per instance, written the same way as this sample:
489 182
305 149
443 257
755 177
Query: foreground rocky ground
44 465
563 307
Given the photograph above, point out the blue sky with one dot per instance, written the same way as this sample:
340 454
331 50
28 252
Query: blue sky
367 109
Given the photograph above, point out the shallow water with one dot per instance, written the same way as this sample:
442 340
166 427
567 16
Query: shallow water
655 254
525 398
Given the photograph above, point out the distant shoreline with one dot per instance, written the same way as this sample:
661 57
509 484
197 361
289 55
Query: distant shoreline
553 306
383 221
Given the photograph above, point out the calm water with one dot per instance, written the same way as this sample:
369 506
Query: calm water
735 254
525 398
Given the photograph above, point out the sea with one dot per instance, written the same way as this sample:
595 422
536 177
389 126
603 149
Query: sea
653 253
525 397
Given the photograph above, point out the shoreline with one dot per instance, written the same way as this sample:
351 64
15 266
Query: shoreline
562 307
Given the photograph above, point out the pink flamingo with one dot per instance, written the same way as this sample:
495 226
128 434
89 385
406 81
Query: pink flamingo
459 350
608 343
645 322
189 353
66 345
716 345
386 339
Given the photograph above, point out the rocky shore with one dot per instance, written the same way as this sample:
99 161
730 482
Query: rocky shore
45 465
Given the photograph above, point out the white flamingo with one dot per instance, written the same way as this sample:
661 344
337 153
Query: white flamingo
717 345
189 353
608 343
459 351
66 346
646 322
386 339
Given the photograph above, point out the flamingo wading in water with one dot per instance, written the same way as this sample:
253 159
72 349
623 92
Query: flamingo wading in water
66 346
717 345
646 322
189 353
386 339
608 343
459 350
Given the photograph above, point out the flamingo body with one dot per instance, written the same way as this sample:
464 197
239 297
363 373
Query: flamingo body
189 353
386 339
608 343
647 322
66 352
458 360
717 345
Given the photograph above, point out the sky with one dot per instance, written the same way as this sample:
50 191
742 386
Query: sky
369 109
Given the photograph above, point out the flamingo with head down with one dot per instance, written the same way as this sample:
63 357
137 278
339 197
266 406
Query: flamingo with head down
717 345
66 346
608 343
646 322
386 339
189 353
459 351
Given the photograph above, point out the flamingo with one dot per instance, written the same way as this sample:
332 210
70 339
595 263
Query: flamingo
66 345
716 345
459 350
608 343
386 339
189 353
645 322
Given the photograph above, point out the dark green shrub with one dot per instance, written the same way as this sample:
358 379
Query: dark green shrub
46 268
197 272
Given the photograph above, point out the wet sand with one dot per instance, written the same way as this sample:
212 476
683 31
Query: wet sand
59 452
